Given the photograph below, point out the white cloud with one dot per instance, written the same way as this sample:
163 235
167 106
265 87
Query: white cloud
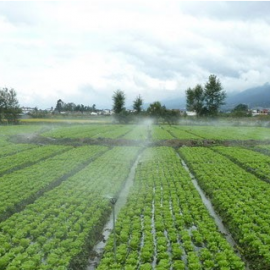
84 51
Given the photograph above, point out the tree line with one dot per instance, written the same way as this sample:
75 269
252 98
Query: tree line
155 110
204 100
61 106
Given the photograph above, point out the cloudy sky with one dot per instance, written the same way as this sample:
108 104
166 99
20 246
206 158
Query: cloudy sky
83 51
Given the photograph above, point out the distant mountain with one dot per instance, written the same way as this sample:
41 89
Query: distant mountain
177 103
253 97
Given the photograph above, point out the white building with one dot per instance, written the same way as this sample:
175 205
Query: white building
191 113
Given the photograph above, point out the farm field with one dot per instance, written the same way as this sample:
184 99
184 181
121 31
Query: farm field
56 182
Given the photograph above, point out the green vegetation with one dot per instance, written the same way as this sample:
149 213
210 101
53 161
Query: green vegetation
9 106
165 224
252 161
206 101
221 133
58 229
159 133
21 187
240 198
9 149
28 157
54 181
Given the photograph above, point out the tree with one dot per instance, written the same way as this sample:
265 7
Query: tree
195 99
137 104
37 113
207 100
171 116
213 95
156 110
9 105
70 107
118 101
119 109
59 105
82 108
190 99
240 110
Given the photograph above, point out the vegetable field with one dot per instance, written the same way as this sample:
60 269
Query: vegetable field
56 181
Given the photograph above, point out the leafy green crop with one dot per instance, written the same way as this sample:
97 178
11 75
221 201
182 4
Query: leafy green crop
57 230
164 223
241 199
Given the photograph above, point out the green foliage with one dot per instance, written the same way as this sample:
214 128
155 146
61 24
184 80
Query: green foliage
162 236
120 112
171 116
240 110
61 226
137 104
207 100
9 106
178 265
118 101
156 110
195 99
214 96
61 106
240 198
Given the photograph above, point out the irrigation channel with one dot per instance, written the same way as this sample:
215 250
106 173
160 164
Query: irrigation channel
212 212
108 228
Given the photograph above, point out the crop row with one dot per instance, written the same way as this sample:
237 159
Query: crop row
114 132
23 186
159 133
11 148
19 129
77 131
3 141
241 199
263 147
255 162
164 224
139 132
29 157
89 131
182 134
57 231
227 132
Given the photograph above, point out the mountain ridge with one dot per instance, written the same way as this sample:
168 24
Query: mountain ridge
255 97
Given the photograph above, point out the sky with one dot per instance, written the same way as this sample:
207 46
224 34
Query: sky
83 51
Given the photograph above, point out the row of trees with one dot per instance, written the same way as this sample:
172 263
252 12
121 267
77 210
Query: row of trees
155 110
9 106
72 107
206 101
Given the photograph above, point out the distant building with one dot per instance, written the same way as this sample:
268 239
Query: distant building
191 113
256 112
26 110
106 112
